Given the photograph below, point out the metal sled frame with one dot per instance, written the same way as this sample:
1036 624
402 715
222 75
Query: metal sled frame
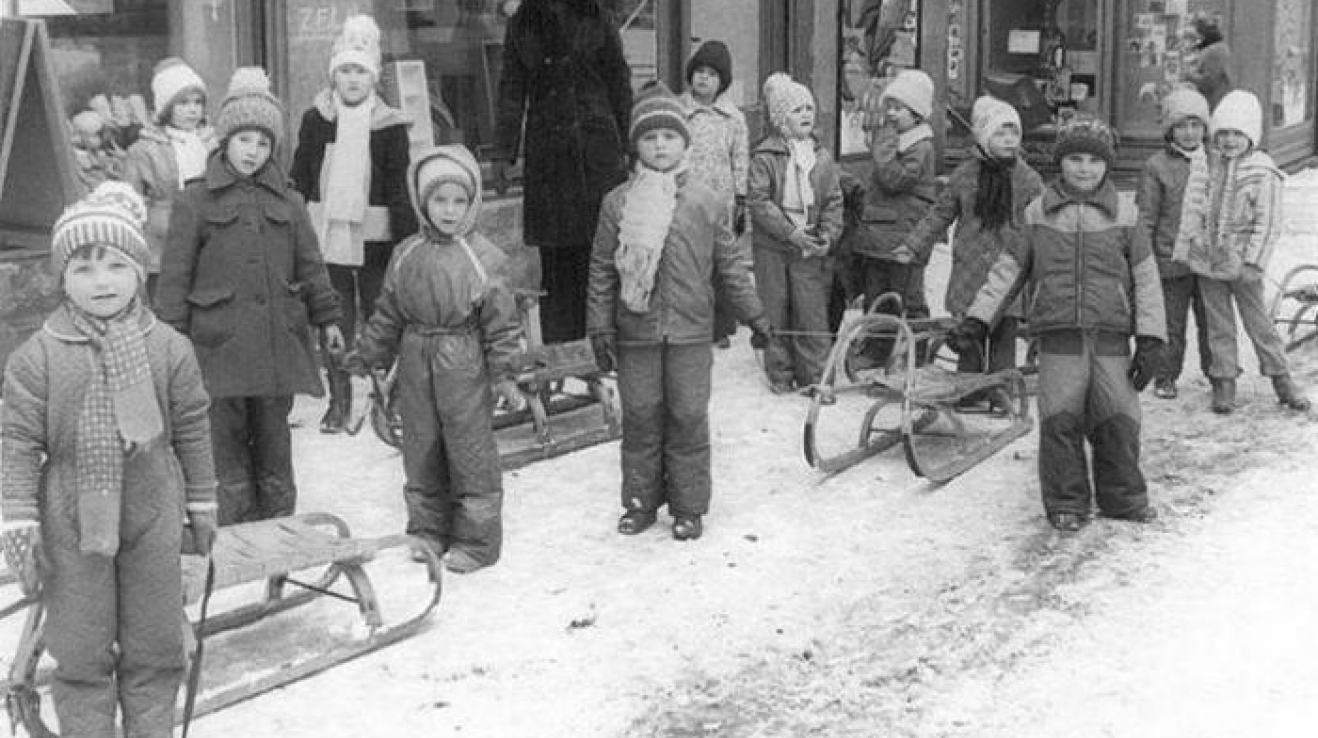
925 394
1294 308
270 550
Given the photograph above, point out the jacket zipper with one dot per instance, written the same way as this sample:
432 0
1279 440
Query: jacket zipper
1079 266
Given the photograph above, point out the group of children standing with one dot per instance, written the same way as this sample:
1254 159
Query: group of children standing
116 406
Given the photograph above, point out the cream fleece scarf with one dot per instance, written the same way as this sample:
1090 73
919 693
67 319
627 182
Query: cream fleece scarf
798 193
1193 234
647 214
345 192
189 151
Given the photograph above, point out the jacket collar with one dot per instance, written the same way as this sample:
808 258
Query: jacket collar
1105 199
721 105
382 115
776 143
60 324
219 175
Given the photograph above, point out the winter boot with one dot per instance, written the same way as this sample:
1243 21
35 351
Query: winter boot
1224 395
1288 394
340 403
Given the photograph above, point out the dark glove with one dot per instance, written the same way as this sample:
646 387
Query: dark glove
968 335
1148 354
202 527
605 346
761 334
739 216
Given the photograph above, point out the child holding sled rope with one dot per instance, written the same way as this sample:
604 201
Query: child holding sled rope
663 240
106 447
446 312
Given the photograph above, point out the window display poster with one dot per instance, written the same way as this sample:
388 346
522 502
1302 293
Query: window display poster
1290 88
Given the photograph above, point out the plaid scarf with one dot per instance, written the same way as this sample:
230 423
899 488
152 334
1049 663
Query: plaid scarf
120 415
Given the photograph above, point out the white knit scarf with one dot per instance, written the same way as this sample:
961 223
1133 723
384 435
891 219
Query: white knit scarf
345 195
647 214
189 151
798 193
1192 234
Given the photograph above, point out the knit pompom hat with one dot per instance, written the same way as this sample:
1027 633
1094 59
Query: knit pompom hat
1182 103
914 89
358 43
1239 110
437 165
782 95
1086 135
715 55
250 104
112 216
171 80
990 114
656 107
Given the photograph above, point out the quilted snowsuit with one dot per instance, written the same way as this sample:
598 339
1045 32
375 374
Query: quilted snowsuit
447 314
114 624
1092 283
664 355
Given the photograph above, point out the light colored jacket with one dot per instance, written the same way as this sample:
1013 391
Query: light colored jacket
151 167
1243 219
764 196
720 145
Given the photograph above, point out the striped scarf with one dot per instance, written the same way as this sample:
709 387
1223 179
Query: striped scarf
1192 237
120 415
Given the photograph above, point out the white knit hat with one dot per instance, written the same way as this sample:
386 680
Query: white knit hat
1182 103
988 115
172 78
914 89
358 43
1240 111
782 95
112 215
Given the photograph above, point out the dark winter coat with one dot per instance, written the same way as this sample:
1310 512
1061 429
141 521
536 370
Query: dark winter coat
564 72
699 246
974 249
1159 198
764 195
1088 265
389 147
243 278
1213 72
898 193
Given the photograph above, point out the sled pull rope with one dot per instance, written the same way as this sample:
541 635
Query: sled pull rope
194 677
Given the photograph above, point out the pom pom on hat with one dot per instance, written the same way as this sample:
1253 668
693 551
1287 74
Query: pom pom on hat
782 95
1086 135
172 78
112 215
250 104
715 55
656 107
990 114
1182 103
358 43
914 89
1239 110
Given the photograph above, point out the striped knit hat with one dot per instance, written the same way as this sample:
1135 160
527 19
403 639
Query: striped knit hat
250 104
656 107
111 216
1089 136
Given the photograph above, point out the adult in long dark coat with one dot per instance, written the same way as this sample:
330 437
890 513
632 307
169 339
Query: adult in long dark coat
565 75
1212 74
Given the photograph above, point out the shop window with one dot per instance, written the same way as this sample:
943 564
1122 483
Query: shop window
879 39
1155 54
1043 56
1291 98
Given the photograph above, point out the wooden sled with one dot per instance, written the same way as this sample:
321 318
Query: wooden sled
913 399
1294 308
278 554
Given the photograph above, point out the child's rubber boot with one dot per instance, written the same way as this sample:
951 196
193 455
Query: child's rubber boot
1165 389
633 522
687 527
1288 394
1224 395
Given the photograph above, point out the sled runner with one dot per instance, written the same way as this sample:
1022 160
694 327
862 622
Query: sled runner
569 406
1295 306
947 422
292 562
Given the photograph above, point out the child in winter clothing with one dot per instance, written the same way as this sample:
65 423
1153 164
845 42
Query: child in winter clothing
168 154
106 447
663 236
720 149
1229 227
1160 199
242 277
448 316
899 192
986 198
351 167
795 203
1093 282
